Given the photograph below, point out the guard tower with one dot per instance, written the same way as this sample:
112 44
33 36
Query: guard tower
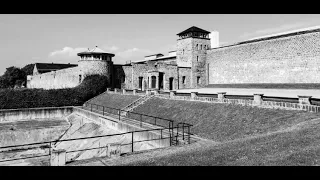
192 46
95 61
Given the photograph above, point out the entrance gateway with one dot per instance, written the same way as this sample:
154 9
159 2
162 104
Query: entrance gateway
171 83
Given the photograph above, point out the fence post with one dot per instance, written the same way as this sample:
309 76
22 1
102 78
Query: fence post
132 141
188 134
170 132
140 120
50 149
182 131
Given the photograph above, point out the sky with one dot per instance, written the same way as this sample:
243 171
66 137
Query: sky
57 38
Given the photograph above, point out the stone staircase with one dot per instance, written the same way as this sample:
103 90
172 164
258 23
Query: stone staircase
135 104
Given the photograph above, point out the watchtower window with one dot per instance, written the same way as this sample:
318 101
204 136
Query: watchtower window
197 47
182 51
80 78
198 79
200 46
197 58
183 79
205 47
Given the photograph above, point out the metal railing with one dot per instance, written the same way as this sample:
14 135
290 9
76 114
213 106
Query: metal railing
171 133
131 116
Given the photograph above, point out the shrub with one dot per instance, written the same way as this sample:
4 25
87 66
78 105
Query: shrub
30 98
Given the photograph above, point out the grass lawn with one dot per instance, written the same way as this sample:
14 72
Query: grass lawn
223 122
114 100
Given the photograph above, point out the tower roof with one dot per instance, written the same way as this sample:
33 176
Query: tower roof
193 29
95 50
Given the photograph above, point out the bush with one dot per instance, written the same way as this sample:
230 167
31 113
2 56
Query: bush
30 98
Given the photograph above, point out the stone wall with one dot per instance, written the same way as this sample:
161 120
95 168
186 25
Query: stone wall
184 72
34 113
133 72
65 78
291 59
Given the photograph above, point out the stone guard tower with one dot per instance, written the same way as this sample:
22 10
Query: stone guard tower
192 46
95 61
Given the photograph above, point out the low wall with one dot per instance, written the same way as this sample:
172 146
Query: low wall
13 138
245 102
34 113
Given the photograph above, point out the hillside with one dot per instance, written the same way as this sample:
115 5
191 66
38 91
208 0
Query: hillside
224 122
295 144
114 100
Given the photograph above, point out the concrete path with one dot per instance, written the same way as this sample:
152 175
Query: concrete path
292 93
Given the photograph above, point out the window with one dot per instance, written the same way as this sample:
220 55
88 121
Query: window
200 46
205 47
80 77
153 81
140 82
198 79
183 79
197 47
197 58
182 51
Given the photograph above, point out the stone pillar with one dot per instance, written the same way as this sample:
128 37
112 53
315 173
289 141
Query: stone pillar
134 91
221 95
148 91
143 85
304 99
58 157
124 91
108 89
194 94
115 90
150 81
257 98
172 93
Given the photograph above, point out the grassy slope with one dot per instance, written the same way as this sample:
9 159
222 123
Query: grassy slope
114 100
297 145
223 122
242 136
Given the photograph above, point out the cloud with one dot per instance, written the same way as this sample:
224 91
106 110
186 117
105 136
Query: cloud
133 52
111 49
280 29
67 52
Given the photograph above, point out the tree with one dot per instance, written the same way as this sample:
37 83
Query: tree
28 69
4 83
12 76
